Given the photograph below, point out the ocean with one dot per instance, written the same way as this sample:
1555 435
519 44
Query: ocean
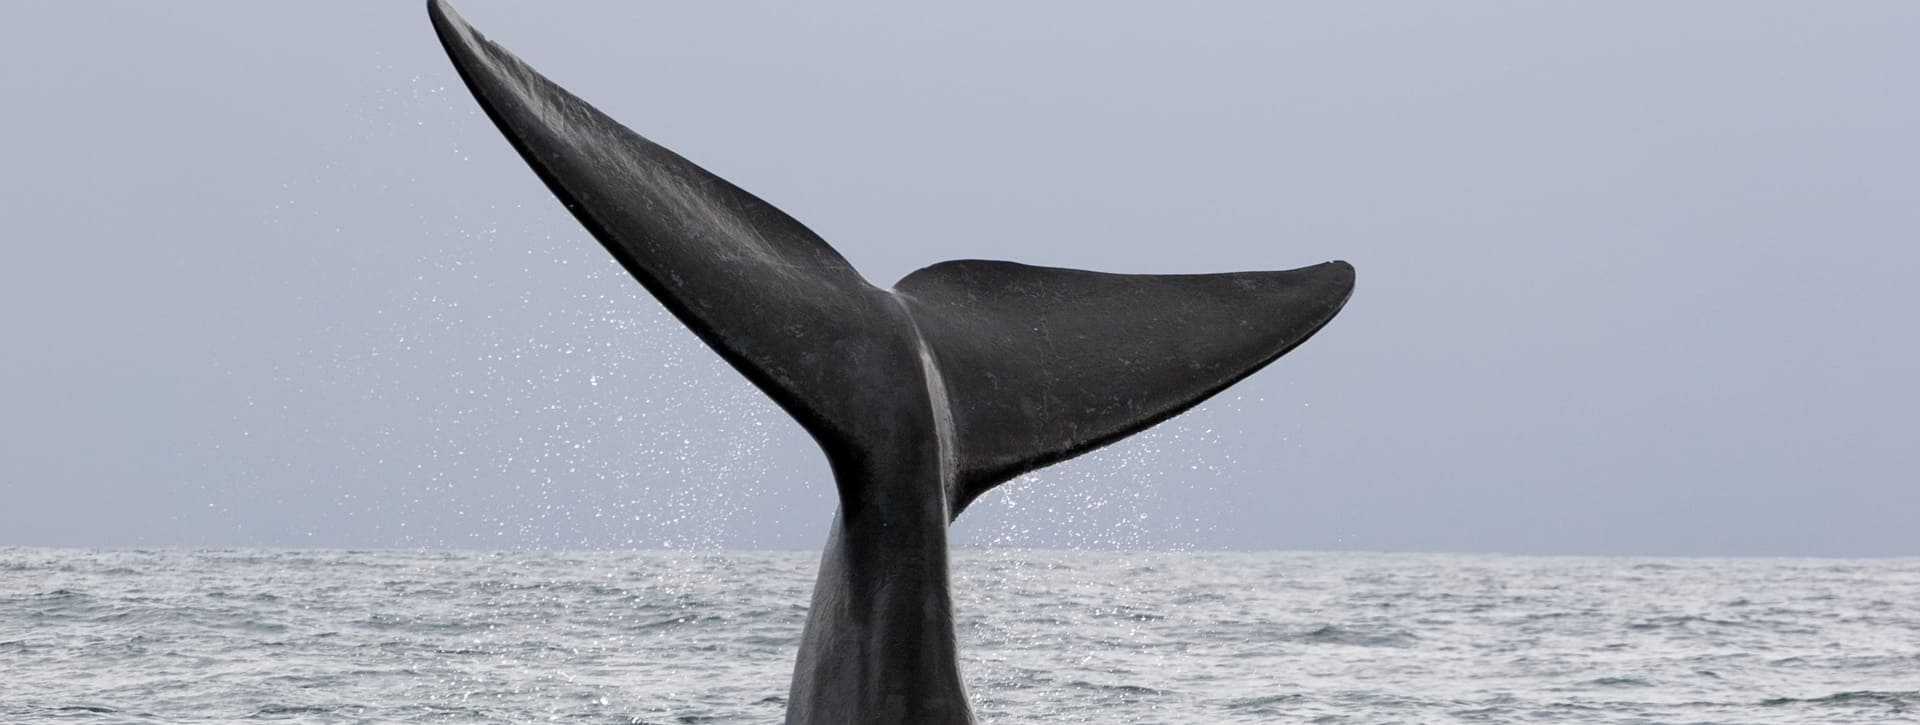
322 636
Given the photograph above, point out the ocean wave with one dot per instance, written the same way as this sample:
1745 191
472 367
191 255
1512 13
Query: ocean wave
668 637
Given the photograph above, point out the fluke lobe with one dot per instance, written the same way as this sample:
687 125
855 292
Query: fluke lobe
964 375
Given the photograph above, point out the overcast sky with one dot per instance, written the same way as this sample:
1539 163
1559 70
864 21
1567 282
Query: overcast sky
1634 278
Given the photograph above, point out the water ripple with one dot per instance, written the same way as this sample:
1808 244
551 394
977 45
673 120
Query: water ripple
674 637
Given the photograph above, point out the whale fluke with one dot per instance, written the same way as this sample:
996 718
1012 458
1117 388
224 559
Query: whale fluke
923 397
1042 364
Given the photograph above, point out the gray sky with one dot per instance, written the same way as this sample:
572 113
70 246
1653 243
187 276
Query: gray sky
1634 277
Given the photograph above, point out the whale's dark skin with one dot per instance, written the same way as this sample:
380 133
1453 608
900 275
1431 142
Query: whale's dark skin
923 397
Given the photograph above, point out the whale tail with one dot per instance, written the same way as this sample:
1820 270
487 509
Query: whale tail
1037 364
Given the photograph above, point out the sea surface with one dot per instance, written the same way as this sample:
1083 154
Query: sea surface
1048 637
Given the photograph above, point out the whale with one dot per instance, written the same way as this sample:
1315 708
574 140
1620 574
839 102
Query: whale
923 397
